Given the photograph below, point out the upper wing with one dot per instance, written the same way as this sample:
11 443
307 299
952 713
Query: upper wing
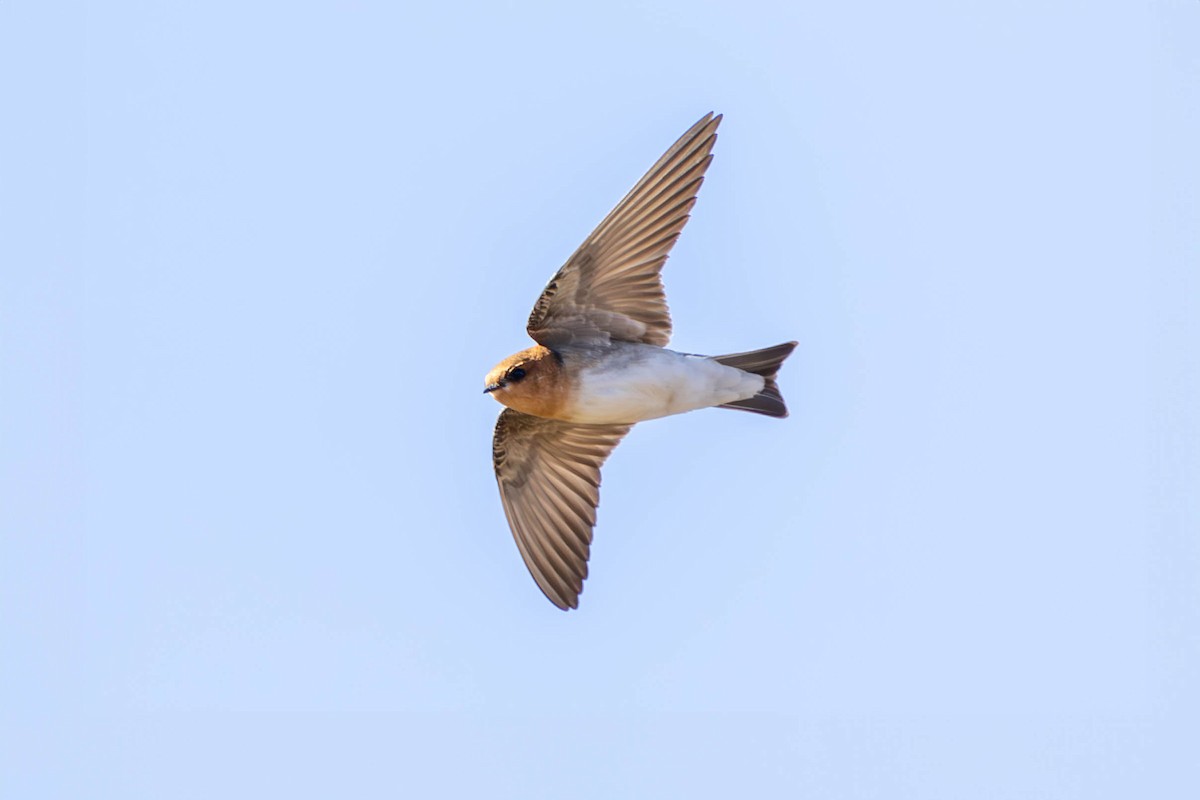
610 288
549 476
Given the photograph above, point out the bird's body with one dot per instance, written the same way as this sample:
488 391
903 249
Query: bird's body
632 382
600 366
621 382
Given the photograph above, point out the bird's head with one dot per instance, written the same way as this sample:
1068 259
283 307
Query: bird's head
530 381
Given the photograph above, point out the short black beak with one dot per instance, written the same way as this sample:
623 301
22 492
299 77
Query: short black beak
491 387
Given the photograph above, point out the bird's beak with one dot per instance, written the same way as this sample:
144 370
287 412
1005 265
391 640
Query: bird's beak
491 387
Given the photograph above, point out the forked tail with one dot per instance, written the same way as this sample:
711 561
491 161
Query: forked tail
763 362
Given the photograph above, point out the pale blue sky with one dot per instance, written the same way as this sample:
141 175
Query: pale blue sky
255 259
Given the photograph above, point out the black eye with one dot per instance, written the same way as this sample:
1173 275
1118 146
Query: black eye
516 373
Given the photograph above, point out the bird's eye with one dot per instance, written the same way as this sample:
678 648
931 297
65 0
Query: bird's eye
516 373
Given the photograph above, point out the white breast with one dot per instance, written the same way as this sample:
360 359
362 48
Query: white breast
636 382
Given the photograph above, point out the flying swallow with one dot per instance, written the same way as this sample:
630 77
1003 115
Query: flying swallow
600 365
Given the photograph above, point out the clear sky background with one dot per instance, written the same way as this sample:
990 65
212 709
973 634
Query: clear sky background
256 258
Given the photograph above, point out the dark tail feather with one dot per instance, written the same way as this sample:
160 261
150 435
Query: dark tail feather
763 362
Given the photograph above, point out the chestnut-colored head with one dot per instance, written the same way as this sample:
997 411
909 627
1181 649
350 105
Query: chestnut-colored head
531 381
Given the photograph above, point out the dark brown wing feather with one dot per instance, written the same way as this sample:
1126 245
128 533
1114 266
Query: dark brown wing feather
549 477
610 288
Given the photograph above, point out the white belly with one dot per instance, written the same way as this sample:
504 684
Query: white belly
640 382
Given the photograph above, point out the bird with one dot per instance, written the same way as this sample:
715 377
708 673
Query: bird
600 365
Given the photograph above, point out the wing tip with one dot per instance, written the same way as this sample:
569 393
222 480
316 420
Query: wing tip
703 130
568 602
